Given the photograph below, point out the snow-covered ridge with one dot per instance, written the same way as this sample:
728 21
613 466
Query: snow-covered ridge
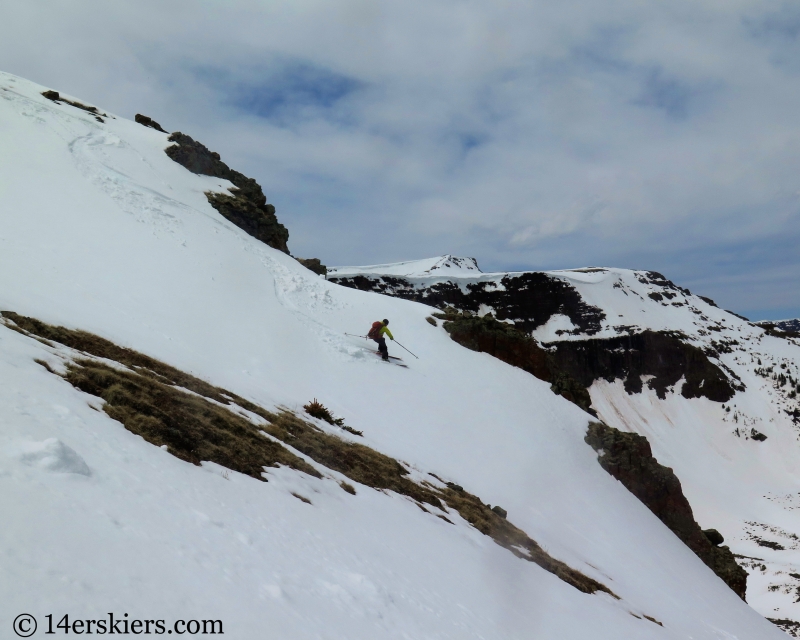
448 265
641 299
102 231
738 458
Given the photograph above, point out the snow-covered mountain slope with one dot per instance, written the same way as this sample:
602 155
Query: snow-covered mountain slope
716 396
101 231
449 266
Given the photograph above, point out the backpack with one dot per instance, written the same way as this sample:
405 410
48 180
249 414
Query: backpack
375 330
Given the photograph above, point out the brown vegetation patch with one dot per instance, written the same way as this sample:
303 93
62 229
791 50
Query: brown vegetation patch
508 536
45 364
198 421
356 461
193 428
318 410
102 348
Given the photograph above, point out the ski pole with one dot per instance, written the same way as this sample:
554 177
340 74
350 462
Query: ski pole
355 336
413 354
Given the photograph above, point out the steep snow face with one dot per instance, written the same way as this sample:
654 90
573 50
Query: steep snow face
739 461
103 232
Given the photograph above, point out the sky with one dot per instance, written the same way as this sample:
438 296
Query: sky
527 134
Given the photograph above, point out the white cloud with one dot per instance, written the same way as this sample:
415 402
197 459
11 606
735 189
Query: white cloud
528 133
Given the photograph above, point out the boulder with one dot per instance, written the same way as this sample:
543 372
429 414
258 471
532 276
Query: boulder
714 536
500 512
148 122
314 265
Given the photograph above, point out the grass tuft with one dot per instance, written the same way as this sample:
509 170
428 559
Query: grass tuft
318 410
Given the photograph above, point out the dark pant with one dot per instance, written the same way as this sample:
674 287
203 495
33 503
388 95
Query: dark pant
382 347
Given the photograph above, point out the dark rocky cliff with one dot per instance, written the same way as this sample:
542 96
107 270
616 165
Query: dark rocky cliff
572 366
511 345
246 205
523 302
660 354
628 457
529 299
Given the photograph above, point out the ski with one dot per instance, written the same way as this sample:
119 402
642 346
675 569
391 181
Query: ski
399 364
390 357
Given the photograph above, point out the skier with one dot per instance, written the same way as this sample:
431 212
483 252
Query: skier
376 333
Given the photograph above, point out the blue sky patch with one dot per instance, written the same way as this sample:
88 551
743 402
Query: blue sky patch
283 91
667 94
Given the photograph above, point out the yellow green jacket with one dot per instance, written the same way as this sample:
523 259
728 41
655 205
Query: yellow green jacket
385 329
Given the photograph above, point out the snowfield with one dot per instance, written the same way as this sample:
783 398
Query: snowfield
102 232
748 489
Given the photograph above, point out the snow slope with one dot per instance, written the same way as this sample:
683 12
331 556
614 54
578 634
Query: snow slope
442 266
745 487
102 231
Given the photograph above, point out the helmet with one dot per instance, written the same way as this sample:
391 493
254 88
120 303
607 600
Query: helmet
385 321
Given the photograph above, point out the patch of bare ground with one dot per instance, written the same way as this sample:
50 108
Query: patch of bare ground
57 98
193 428
490 523
356 461
198 421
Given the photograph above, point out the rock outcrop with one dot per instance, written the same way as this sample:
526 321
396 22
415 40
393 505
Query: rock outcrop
509 344
245 205
520 303
628 457
148 122
529 299
314 265
660 354
56 97
572 366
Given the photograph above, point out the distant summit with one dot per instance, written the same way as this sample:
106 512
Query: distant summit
447 265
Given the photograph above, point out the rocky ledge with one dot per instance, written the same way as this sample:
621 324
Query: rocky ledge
628 457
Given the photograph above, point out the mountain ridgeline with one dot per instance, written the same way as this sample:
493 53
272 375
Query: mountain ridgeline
499 316
556 327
